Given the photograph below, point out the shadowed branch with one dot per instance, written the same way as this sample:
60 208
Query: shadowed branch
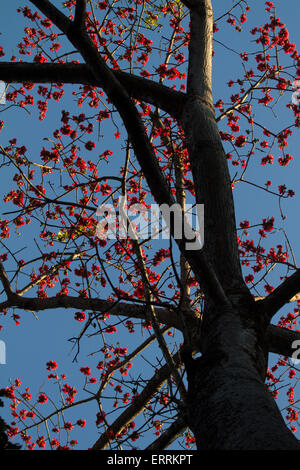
281 295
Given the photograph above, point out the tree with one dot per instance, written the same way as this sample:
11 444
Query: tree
216 384
4 441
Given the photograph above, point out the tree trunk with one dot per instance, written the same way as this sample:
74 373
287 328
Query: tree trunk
229 406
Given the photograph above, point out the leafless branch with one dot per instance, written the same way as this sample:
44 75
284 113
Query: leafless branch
280 340
169 435
80 11
143 149
54 14
138 404
5 282
281 295
93 304
138 88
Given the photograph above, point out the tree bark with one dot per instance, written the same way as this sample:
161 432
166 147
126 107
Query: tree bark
229 406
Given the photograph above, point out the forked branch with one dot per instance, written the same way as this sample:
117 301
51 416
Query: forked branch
137 405
139 88
169 435
143 149
281 295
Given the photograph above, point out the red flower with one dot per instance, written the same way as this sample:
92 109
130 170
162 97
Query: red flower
268 224
68 426
111 329
79 316
55 442
85 370
240 141
81 423
100 418
42 398
51 365
90 145
285 161
249 278
134 436
41 442
267 159
40 58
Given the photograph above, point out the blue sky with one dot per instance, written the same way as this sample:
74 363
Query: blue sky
34 342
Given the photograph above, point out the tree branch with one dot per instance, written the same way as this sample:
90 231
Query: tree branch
200 50
169 435
281 340
138 404
210 175
153 318
81 303
281 295
54 14
143 149
5 282
80 11
191 4
139 88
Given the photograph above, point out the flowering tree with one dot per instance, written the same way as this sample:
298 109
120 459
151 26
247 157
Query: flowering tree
201 317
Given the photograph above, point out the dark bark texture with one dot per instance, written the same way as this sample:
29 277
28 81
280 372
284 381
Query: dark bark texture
229 406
